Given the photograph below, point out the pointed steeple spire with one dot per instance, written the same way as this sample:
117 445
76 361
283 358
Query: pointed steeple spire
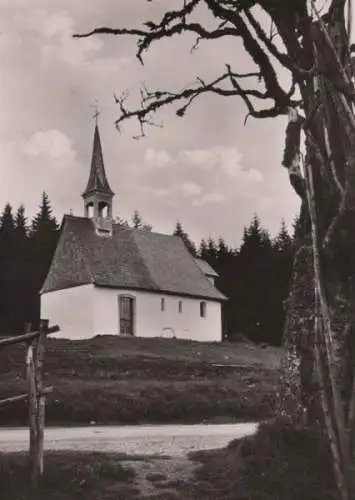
97 179
98 194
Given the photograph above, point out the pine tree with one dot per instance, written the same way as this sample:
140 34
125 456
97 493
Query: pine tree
283 259
7 223
223 249
44 220
138 223
7 270
255 236
283 240
21 228
22 278
180 232
255 282
203 250
43 239
211 248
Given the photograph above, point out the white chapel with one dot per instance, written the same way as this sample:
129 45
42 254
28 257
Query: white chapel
107 279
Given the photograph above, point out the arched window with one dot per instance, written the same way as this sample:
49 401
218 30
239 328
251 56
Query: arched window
103 209
89 212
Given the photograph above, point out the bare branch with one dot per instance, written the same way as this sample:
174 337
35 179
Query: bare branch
254 49
284 59
152 101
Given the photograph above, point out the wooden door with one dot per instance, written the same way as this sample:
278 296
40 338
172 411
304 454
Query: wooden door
126 315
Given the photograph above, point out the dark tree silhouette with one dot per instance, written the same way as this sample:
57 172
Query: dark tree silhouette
180 232
43 240
7 269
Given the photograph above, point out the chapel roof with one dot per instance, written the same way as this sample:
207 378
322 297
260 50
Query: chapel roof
129 259
206 268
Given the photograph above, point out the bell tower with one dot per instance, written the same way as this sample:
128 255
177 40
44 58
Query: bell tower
98 195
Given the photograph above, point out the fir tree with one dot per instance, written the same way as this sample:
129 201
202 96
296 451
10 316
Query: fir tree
283 240
22 277
203 250
21 222
44 220
7 223
255 282
138 223
7 270
211 248
180 232
223 249
43 239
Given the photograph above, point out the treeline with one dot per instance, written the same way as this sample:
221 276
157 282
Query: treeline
255 277
26 250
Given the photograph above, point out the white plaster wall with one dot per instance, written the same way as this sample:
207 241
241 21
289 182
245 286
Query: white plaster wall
72 310
150 321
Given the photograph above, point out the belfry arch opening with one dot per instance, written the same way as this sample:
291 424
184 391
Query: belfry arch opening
89 210
103 209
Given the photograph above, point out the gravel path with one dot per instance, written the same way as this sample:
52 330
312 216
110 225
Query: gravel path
172 440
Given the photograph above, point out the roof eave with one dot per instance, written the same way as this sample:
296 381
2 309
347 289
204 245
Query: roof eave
222 297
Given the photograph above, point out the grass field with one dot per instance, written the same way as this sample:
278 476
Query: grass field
111 380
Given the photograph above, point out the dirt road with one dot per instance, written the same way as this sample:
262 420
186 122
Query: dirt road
172 440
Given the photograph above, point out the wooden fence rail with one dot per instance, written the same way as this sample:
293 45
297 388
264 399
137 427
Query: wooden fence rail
36 392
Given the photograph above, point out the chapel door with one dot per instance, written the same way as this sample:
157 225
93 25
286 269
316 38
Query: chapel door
126 314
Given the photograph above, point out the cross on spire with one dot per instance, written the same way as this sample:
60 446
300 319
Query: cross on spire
97 111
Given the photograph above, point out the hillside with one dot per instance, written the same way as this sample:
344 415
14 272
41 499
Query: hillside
129 380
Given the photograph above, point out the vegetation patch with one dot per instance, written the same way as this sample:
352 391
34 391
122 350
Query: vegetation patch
280 462
112 380
68 475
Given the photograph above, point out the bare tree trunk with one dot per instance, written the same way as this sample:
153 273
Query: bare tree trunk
320 330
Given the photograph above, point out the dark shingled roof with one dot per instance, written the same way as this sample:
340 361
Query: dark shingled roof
206 268
130 258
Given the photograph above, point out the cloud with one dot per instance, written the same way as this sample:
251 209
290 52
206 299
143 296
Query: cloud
155 192
210 198
51 143
158 159
226 160
189 189
197 178
54 36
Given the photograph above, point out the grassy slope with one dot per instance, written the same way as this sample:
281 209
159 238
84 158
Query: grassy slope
129 380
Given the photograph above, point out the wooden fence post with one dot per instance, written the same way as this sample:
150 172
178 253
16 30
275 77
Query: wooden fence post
36 392
32 406
41 398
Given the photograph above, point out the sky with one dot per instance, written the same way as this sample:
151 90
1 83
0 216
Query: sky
208 169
